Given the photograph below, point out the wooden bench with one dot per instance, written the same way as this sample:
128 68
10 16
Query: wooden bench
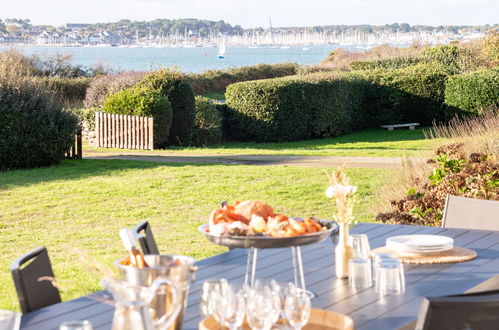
391 127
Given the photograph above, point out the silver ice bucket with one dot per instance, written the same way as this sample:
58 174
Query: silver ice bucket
178 269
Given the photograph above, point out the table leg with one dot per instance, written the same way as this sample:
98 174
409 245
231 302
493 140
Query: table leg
253 267
248 261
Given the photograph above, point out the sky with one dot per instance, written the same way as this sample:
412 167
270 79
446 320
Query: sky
254 13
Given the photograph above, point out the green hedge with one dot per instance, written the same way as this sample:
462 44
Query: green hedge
143 101
389 63
411 94
216 81
330 104
34 131
208 127
473 92
72 90
174 86
294 108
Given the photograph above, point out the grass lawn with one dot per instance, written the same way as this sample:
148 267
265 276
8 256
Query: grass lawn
371 142
78 207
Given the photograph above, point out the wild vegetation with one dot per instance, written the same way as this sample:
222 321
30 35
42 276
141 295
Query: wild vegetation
468 167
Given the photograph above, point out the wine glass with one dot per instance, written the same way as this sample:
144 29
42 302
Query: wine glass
297 308
210 287
229 307
262 308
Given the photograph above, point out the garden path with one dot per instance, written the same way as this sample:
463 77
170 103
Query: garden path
303 161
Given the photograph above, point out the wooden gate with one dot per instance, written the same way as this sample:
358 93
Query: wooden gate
123 131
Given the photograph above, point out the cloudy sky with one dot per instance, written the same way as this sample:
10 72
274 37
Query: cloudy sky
253 13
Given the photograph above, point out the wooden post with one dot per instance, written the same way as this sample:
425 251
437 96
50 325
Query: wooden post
151 133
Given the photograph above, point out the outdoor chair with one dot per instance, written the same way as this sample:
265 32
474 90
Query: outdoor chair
27 271
146 238
466 311
470 213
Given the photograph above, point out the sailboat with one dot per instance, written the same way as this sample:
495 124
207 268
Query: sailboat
221 49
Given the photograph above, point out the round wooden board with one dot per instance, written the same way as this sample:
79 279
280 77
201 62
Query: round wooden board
456 254
319 320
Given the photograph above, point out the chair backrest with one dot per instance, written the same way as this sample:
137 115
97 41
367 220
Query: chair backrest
470 213
467 311
146 238
27 271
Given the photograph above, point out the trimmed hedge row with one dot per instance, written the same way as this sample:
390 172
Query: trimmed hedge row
34 131
216 81
474 92
143 101
330 104
208 126
412 94
294 108
389 63
174 86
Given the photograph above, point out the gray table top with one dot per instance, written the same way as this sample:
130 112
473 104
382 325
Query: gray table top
368 310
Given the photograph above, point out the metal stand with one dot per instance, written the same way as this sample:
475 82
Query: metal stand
299 277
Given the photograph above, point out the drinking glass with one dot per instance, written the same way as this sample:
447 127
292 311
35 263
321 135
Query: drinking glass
76 325
210 288
297 308
390 277
229 308
360 245
262 308
360 273
9 319
378 257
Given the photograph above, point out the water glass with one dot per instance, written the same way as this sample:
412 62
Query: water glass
378 257
9 319
263 307
76 325
360 245
210 288
297 308
360 273
390 278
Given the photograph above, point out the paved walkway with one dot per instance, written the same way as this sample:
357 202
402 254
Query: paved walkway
304 161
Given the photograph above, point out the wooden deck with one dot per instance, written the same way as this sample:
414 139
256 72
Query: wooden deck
368 310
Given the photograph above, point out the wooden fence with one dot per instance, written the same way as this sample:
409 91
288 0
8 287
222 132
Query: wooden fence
76 151
123 131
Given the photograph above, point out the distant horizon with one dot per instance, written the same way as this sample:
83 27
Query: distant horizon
256 13
244 27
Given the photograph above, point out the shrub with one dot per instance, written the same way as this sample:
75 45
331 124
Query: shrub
411 94
474 92
102 86
175 87
86 116
34 131
70 90
491 46
293 108
143 101
216 81
208 126
469 167
388 63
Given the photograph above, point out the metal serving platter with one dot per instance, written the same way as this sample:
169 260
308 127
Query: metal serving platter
267 242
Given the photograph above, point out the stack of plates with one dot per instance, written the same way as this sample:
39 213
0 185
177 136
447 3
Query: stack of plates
421 244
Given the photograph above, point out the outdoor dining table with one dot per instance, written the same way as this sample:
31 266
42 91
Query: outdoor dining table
365 307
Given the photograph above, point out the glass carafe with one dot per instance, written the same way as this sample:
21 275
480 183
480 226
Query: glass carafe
132 304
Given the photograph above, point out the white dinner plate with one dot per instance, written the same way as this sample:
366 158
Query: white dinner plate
420 243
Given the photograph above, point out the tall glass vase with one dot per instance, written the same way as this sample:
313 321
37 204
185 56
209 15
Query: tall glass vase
343 252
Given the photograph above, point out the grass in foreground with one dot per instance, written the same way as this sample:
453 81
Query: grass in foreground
371 142
78 207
